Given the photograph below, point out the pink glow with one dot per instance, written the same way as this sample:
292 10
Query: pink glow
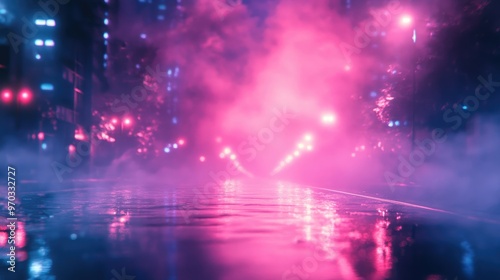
41 136
25 96
6 96
202 158
406 21
127 121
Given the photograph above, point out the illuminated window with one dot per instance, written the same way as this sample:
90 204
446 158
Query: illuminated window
40 22
47 87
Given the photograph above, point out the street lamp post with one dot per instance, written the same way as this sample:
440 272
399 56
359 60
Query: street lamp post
408 21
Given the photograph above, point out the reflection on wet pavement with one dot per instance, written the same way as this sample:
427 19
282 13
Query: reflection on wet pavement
244 230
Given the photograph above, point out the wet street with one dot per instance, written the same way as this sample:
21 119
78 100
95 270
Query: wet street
241 231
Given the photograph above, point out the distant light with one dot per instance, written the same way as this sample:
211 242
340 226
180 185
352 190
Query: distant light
106 21
51 22
328 118
36 268
49 43
300 146
175 145
39 42
71 148
309 147
127 121
114 120
166 150
218 139
289 158
296 153
347 68
232 157
227 150
105 35
143 35
414 37
44 146
397 123
37 56
222 155
391 124
162 7
181 142
47 87
73 236
105 42
373 94
464 107
161 17
105 56
405 20
353 155
169 72
202 159
308 137
41 136
174 120
40 22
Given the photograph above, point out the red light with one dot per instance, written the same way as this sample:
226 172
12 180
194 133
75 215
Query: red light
41 136
181 142
127 121
6 96
25 96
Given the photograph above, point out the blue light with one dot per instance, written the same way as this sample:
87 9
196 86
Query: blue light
373 94
397 123
166 150
143 35
169 72
174 120
162 7
44 146
464 107
39 42
106 21
105 42
47 86
49 43
37 56
391 124
160 17
105 56
105 35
